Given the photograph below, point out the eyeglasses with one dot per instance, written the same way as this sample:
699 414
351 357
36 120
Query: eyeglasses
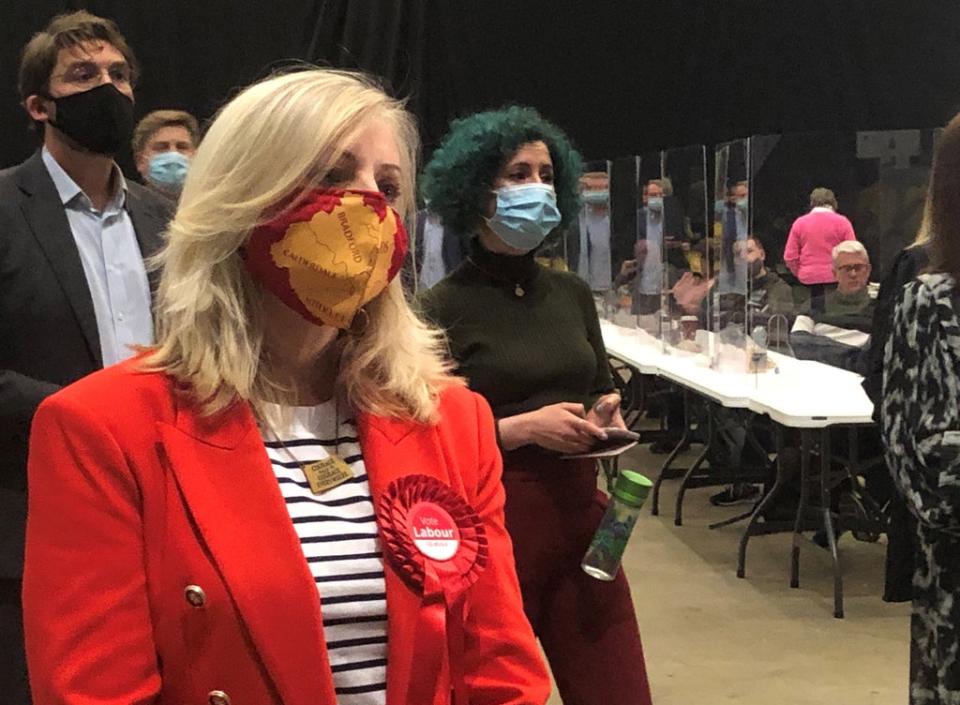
87 74
852 268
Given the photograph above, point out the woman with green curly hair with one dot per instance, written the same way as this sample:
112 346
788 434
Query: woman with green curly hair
528 339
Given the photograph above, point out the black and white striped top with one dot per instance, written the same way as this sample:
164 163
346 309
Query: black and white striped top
339 537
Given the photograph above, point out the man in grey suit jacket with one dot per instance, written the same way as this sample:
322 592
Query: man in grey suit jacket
74 291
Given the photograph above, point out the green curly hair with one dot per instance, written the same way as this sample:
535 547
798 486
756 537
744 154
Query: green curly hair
460 176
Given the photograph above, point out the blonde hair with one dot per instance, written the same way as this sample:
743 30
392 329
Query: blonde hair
924 231
270 145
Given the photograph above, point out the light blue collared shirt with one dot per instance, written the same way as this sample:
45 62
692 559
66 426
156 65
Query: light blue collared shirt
650 275
112 263
595 265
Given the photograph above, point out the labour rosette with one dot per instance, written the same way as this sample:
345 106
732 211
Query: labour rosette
437 543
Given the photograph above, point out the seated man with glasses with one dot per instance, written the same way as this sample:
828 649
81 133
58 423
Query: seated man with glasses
837 329
74 294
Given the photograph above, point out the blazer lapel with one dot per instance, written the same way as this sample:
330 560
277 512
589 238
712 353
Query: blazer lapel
392 449
226 480
47 218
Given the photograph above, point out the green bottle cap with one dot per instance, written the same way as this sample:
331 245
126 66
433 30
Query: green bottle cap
632 488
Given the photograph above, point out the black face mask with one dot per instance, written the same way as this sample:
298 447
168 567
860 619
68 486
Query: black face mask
100 119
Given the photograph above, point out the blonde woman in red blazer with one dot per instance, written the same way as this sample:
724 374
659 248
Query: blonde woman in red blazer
162 563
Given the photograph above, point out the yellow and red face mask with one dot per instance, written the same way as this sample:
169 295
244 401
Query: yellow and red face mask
331 255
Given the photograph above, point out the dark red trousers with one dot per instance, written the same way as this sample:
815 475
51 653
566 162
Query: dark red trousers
587 627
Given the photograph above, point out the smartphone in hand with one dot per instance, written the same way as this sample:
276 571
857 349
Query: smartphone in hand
618 440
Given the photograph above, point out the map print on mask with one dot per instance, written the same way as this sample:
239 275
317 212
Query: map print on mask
331 256
334 259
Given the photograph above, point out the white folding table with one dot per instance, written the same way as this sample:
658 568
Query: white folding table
800 394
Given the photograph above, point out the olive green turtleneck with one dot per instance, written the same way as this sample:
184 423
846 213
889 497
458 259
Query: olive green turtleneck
520 352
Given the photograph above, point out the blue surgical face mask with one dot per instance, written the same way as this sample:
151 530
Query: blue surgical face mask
595 198
742 203
526 213
168 170
655 204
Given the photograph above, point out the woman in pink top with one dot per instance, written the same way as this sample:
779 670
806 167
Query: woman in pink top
812 238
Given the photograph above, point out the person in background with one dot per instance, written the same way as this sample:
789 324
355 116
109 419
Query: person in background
734 214
768 298
812 238
75 295
528 339
647 265
660 224
836 330
920 412
677 235
438 250
232 516
164 142
590 243
902 529
767 295
658 248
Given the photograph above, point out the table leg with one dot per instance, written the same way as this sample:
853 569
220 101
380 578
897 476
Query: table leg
623 386
734 519
752 440
664 470
635 401
778 483
828 522
678 510
854 451
805 451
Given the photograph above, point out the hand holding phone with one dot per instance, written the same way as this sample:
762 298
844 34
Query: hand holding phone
617 441
606 412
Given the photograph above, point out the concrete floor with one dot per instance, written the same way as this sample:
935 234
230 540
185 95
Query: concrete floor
712 638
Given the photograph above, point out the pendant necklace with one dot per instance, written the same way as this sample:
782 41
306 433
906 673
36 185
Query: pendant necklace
518 289
322 475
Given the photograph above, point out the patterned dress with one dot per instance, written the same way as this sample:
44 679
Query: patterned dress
921 430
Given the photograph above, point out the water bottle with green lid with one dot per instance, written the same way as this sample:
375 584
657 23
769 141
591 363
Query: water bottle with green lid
602 560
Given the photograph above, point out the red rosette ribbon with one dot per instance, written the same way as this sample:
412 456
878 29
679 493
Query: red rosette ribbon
438 545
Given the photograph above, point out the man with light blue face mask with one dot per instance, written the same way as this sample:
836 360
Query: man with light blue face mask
658 247
594 259
650 231
734 218
163 144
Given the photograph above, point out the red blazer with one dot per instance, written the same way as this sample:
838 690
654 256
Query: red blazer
134 496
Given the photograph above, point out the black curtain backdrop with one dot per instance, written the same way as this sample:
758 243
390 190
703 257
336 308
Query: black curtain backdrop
620 77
